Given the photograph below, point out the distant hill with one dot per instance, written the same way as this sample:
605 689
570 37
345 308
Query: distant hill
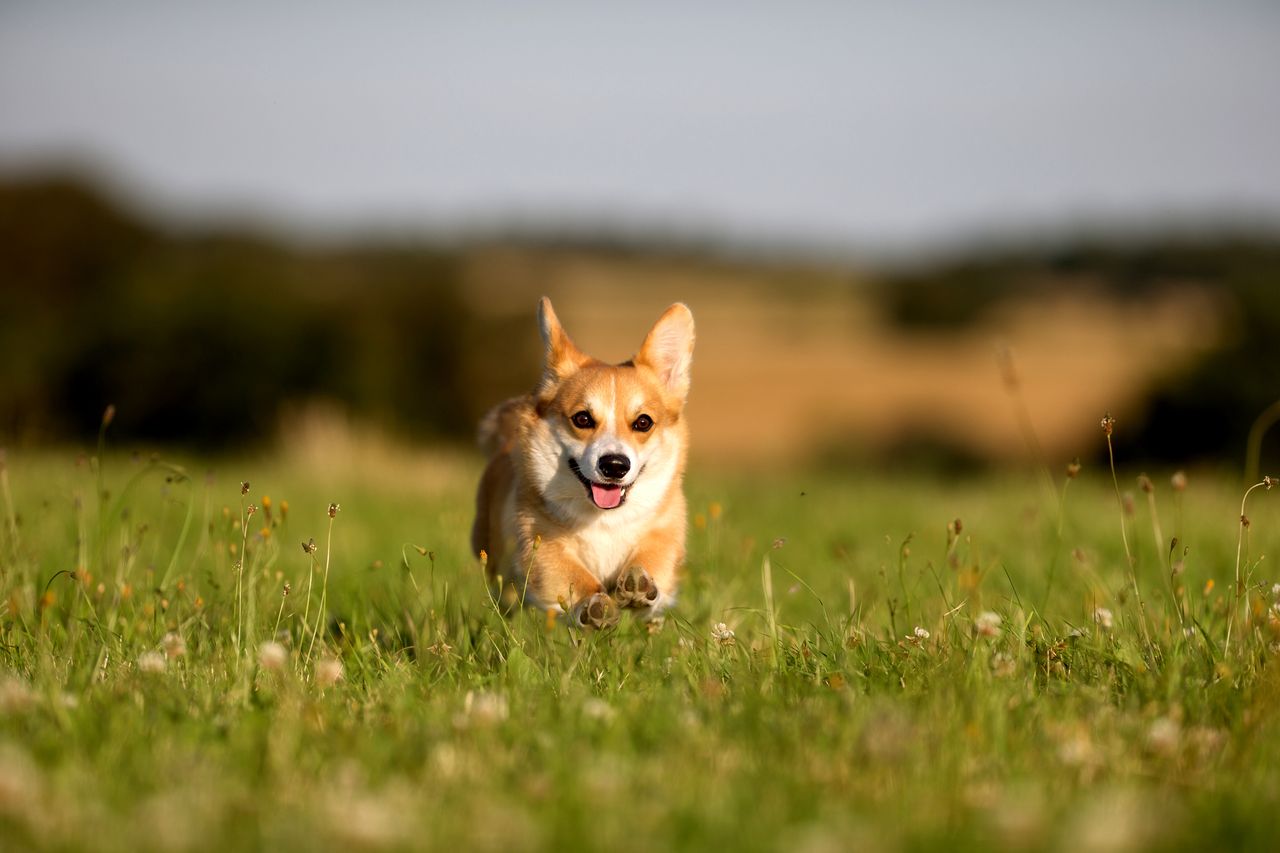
211 338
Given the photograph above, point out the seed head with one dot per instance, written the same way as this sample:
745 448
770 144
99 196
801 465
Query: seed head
1178 481
1108 424
920 633
1269 482
1144 483
251 510
328 672
333 510
109 415
272 656
1073 469
309 547
288 588
1104 618
244 487
1244 521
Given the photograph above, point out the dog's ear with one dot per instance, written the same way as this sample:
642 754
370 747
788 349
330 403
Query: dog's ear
668 349
560 356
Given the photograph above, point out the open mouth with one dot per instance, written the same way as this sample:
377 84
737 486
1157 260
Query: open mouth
603 495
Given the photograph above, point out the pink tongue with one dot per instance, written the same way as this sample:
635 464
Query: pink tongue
606 497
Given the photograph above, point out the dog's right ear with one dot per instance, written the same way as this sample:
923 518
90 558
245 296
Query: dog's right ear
560 356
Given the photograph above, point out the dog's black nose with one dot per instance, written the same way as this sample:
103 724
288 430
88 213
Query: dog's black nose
614 466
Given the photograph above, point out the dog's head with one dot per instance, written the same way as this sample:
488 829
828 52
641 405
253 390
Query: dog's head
606 433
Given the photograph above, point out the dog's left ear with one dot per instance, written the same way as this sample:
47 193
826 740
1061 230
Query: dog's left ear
668 349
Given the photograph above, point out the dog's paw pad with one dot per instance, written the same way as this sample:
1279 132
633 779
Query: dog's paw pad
598 611
635 589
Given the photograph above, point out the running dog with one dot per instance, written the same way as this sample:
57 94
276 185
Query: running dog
581 508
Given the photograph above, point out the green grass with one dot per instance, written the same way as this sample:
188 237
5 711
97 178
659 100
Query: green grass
826 723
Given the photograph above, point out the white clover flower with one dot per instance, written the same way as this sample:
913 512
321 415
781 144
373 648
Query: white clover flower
723 634
328 672
174 646
1104 618
920 633
272 656
987 624
151 662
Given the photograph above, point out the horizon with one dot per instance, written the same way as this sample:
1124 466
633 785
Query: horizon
865 132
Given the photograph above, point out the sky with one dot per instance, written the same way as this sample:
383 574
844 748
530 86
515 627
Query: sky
900 124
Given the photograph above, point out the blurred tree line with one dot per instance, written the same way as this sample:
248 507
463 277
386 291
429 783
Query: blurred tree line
1204 412
200 338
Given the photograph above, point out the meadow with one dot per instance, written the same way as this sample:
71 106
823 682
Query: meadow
289 652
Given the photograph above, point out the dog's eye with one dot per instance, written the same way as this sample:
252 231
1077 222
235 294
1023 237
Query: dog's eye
583 420
644 423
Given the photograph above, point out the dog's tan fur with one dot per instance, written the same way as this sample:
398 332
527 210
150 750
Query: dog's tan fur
548 542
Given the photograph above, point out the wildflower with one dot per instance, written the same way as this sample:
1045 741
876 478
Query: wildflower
1144 483
272 656
244 487
920 633
286 589
987 624
1104 618
174 646
151 662
779 542
333 510
722 634
1269 482
309 547
251 510
1073 469
1178 481
1108 424
1275 590
714 510
328 672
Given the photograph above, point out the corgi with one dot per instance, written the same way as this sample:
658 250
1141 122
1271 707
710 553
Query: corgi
581 509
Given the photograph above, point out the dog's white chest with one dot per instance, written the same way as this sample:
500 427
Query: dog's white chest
605 546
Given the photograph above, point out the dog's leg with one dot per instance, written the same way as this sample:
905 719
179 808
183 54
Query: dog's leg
559 578
648 584
635 589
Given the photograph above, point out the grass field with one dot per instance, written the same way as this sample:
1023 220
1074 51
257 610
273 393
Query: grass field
858 661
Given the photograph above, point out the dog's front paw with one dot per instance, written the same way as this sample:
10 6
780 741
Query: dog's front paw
635 589
596 611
